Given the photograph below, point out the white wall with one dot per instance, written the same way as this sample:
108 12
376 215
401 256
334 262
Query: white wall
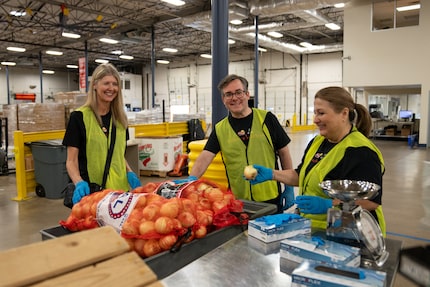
388 57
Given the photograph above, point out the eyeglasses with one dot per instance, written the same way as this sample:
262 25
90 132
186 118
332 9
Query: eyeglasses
238 93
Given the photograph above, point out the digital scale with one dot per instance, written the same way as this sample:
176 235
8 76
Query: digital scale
353 225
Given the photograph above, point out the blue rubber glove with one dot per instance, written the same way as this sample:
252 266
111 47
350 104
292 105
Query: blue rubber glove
185 180
264 174
287 197
313 204
133 180
81 189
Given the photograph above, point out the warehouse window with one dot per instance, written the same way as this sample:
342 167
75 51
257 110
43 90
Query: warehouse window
125 84
390 14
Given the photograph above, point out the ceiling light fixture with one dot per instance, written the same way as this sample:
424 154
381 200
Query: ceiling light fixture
275 34
409 7
207 56
53 52
72 66
16 49
170 50
117 52
236 22
8 63
108 41
306 44
231 42
261 49
332 26
165 62
70 35
101 61
339 5
126 57
174 2
48 72
18 13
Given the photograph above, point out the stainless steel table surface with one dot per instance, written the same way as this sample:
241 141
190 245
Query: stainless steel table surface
237 263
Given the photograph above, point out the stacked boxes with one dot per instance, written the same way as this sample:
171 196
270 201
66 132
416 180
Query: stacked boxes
34 117
271 228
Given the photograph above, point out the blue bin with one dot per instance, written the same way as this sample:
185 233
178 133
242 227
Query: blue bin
411 140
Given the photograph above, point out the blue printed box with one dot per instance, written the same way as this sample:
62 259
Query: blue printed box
275 227
311 274
305 247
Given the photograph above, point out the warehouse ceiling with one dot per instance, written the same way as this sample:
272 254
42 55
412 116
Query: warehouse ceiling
134 23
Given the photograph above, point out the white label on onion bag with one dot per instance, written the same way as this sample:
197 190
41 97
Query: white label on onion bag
115 207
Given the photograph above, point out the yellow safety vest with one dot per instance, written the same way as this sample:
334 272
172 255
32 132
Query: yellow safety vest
97 152
309 183
236 156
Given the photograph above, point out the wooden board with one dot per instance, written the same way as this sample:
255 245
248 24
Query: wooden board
33 263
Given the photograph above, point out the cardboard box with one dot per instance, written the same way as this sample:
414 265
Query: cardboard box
96 257
405 131
315 274
305 247
390 132
33 117
278 226
159 153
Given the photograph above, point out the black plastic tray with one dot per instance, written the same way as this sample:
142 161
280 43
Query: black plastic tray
166 263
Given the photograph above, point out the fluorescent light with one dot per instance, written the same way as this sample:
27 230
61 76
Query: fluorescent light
231 42
163 62
17 13
70 35
55 53
48 72
332 26
126 57
236 22
306 44
275 34
72 66
339 5
409 7
117 52
16 49
207 56
101 61
108 41
170 50
174 2
262 49
8 63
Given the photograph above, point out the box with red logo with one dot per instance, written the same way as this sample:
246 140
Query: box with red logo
159 153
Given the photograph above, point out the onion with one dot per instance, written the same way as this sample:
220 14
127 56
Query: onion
146 227
214 194
219 205
163 225
188 205
200 232
151 247
130 227
166 242
169 209
202 218
141 202
205 203
250 172
187 219
151 211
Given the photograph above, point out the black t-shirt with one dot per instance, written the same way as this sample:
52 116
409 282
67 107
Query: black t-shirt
242 128
75 136
360 163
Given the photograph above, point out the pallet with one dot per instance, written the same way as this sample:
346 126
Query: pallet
158 173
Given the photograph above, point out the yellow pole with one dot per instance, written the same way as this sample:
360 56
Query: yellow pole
21 180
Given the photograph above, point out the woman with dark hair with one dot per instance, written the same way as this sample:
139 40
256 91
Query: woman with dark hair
342 150
89 134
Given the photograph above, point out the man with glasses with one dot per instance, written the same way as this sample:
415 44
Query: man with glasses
247 136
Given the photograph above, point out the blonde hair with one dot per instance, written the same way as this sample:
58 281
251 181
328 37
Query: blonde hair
117 106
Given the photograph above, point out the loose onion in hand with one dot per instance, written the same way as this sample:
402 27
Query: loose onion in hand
250 172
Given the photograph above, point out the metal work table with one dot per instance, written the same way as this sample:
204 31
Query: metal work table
238 263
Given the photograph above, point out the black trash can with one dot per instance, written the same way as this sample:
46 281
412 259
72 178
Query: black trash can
50 168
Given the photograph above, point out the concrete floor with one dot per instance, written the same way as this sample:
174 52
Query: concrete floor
406 199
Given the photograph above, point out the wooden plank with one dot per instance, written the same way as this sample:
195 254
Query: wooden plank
45 259
124 270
